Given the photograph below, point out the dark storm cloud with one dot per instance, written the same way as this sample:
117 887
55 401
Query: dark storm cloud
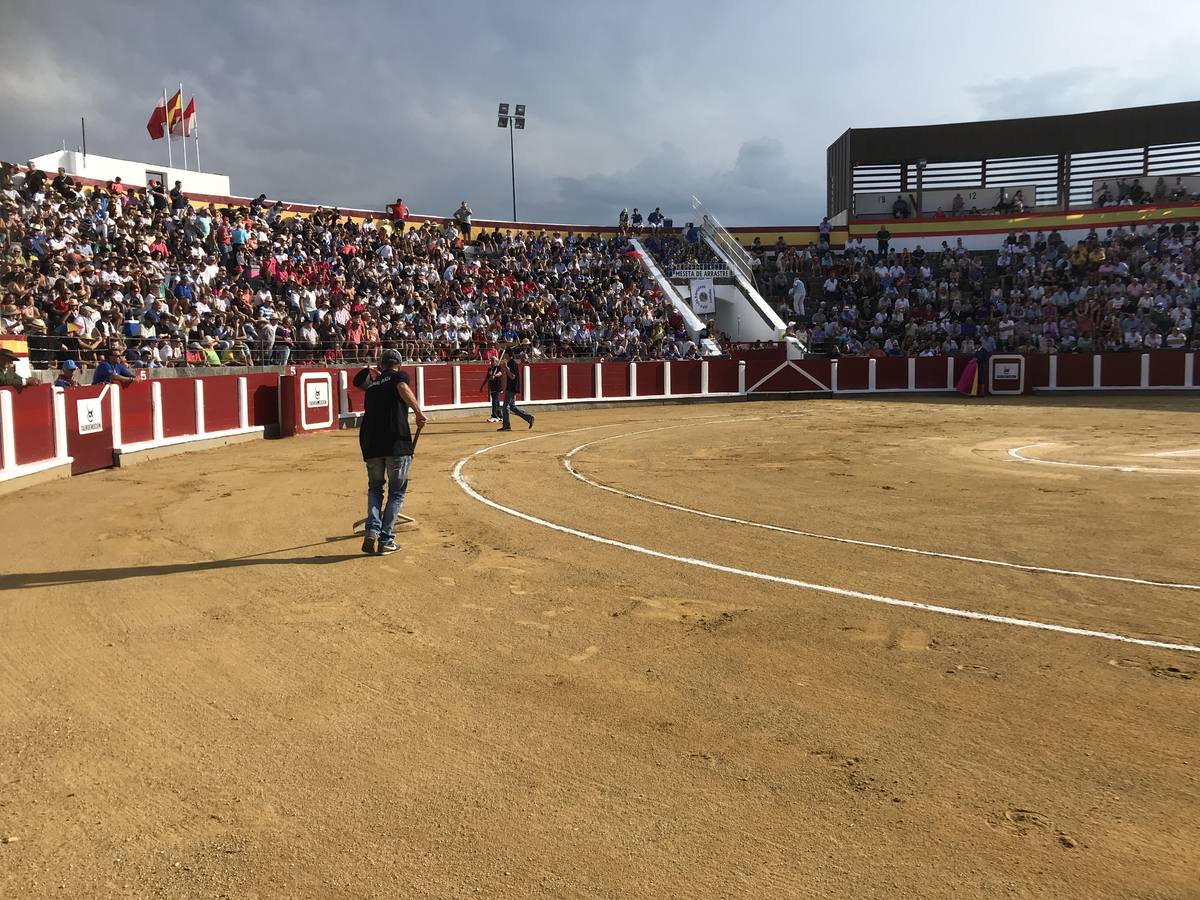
630 104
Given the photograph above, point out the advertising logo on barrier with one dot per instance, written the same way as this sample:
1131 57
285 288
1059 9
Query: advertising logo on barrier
316 394
1006 370
704 299
91 415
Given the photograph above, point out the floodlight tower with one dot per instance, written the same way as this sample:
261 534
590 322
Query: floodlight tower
514 121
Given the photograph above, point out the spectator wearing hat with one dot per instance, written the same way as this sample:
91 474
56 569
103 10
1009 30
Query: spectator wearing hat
69 376
8 371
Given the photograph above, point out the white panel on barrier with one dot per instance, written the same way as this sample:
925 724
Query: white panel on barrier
90 414
316 400
1006 374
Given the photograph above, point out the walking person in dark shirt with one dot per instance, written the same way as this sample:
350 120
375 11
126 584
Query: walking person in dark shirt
512 379
387 447
494 382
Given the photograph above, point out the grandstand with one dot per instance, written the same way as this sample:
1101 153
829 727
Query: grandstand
898 642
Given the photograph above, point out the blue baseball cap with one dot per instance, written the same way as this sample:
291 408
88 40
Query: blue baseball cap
70 365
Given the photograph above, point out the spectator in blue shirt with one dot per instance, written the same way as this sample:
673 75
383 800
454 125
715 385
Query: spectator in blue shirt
67 378
112 370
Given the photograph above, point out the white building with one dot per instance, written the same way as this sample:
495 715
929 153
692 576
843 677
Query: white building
134 174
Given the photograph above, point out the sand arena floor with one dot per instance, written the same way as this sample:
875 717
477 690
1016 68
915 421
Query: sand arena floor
206 691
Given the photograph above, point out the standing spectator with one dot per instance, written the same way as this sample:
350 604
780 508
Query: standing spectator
883 236
824 229
462 217
179 202
799 293
399 212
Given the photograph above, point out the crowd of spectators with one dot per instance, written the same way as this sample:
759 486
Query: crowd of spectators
681 253
144 279
1118 290
86 270
1129 192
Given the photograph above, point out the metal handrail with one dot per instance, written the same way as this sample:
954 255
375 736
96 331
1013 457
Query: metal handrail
711 226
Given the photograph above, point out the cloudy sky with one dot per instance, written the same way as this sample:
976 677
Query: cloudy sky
630 104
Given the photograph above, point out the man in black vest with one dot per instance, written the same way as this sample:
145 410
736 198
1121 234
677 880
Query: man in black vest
387 446
494 382
512 384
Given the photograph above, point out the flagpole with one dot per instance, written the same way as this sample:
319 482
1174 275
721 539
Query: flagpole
182 126
167 123
196 135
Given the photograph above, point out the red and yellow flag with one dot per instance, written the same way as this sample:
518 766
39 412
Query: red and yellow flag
174 112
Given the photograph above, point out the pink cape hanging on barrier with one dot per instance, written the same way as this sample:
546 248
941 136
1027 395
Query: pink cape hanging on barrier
968 381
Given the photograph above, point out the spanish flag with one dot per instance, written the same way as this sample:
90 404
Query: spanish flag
175 114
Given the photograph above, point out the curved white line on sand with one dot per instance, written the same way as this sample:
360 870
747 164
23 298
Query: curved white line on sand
1016 453
462 482
1048 570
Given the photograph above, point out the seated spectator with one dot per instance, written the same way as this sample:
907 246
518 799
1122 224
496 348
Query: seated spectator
655 219
900 209
69 376
112 369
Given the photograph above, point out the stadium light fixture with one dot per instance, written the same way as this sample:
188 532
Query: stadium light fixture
511 122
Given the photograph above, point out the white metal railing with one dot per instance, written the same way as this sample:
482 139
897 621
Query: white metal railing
711 227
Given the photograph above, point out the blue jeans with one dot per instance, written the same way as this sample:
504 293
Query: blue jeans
510 405
393 469
494 396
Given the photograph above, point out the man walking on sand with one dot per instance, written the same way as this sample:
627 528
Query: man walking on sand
493 380
387 446
512 384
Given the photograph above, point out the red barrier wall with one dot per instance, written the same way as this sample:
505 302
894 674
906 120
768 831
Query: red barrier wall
137 413
1075 371
178 407
891 373
221 403
581 380
650 379
93 450
263 395
852 373
544 381
685 376
615 376
1037 371
439 386
33 424
470 379
1166 368
1122 370
723 376
931 372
